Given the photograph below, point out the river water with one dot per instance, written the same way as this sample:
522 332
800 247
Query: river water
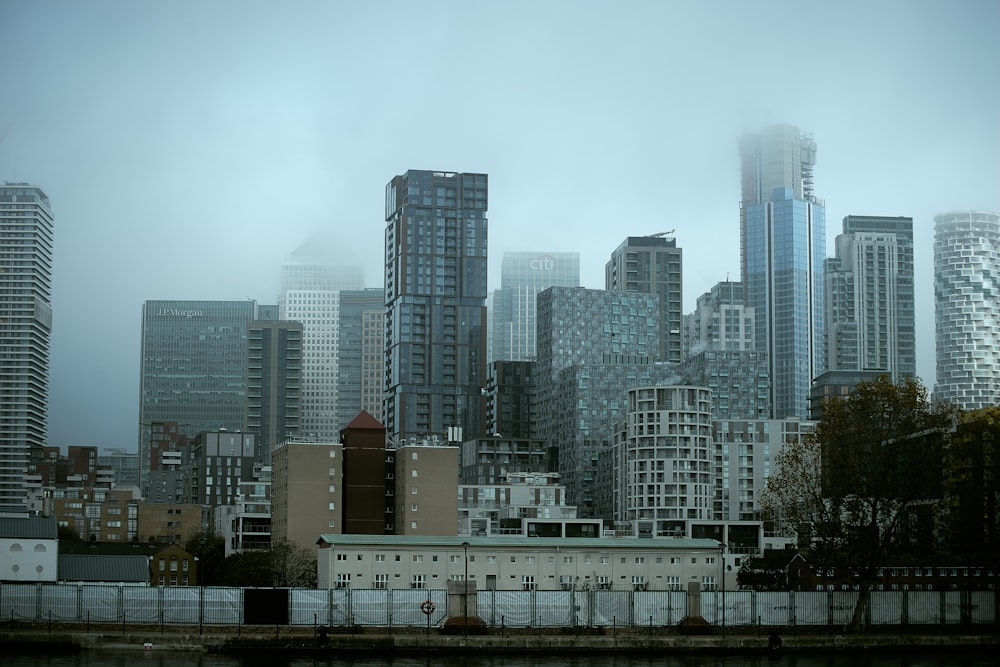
979 657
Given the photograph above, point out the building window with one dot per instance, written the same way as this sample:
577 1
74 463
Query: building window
341 556
419 581
418 558
528 582
379 558
343 580
381 580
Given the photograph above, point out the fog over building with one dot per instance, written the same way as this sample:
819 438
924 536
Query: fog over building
514 309
312 278
783 246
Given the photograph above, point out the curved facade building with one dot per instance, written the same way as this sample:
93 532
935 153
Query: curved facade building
967 308
664 457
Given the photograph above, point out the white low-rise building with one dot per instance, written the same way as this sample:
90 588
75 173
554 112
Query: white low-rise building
517 563
29 549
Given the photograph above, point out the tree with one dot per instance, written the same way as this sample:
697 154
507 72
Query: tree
210 550
293 566
282 565
864 488
972 488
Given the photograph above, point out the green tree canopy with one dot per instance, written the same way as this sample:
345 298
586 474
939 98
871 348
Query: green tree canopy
865 486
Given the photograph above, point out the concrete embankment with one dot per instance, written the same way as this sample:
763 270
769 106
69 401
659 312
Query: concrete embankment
312 642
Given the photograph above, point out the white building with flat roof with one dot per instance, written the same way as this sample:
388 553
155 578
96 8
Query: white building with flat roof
510 563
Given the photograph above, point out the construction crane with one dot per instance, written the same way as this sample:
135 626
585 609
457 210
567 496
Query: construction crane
670 233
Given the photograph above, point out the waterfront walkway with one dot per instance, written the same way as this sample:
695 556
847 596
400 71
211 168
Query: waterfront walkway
310 640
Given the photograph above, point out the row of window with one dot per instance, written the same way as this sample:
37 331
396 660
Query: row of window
533 560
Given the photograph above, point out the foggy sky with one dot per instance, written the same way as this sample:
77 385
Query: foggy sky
187 147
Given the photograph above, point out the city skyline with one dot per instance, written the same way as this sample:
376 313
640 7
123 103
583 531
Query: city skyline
185 161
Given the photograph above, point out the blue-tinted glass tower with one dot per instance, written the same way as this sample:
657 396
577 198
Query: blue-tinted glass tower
522 276
435 297
783 246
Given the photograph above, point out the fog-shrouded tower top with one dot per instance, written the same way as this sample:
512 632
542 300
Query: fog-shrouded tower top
435 296
782 248
26 241
522 276
967 308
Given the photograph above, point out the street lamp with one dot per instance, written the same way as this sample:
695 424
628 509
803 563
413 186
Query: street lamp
722 571
465 592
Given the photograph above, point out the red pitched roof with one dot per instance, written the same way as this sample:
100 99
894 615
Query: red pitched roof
364 421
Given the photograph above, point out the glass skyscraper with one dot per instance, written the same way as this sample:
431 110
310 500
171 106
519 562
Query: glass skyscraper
869 298
435 295
783 248
26 237
967 308
522 276
193 368
311 283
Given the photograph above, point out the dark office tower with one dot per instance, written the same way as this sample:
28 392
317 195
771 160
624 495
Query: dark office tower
361 343
522 276
652 265
435 296
783 246
869 298
26 234
274 383
193 368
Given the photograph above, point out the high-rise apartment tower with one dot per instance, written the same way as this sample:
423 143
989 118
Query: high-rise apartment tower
869 297
435 294
967 308
652 265
26 236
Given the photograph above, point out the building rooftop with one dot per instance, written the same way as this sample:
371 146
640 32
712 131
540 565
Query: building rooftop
553 543
30 527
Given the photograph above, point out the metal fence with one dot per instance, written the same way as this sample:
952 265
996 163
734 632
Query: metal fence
388 608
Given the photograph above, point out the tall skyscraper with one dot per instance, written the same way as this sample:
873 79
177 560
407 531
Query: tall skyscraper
435 294
783 246
967 308
312 279
26 236
652 264
869 297
522 276
193 368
